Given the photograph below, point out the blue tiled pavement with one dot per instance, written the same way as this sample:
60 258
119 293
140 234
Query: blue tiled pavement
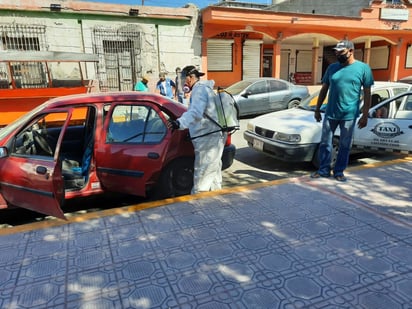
298 244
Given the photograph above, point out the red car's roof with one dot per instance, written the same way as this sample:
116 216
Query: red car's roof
107 97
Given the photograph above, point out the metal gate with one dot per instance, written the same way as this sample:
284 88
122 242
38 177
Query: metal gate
119 51
219 55
251 59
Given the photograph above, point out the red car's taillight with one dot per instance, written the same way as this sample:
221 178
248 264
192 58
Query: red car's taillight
228 140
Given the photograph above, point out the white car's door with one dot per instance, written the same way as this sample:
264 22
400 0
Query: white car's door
393 133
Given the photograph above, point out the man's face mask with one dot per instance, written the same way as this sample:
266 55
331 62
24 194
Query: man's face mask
342 58
186 88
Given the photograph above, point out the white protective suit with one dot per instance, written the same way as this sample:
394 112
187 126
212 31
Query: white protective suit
208 147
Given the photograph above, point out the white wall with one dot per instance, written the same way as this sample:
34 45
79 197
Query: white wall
165 46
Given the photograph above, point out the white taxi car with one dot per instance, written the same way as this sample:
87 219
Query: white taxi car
293 135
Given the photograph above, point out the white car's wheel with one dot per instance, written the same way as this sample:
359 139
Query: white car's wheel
335 149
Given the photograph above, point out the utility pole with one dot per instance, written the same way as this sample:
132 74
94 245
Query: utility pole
142 2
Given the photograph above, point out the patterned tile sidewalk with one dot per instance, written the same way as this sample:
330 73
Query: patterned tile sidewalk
297 244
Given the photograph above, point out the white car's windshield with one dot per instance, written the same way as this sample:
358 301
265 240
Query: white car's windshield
309 103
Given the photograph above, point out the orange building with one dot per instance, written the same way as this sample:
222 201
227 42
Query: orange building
243 42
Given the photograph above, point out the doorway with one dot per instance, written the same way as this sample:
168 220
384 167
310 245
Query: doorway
267 64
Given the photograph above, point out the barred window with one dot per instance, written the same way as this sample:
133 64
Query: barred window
23 37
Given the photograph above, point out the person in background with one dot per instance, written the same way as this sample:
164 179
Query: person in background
165 86
207 139
179 82
142 84
344 80
381 112
186 89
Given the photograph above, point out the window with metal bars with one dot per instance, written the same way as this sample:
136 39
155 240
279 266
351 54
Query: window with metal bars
21 37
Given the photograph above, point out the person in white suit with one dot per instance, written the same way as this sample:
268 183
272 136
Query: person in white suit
207 138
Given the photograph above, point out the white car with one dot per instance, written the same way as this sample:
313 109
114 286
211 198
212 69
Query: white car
294 135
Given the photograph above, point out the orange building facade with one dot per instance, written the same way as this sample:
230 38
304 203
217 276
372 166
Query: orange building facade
239 43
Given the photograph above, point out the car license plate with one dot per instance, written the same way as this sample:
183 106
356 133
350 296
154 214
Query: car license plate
257 144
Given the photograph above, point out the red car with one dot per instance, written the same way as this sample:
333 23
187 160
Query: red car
80 145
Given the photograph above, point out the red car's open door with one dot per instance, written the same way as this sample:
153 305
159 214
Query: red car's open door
34 184
30 169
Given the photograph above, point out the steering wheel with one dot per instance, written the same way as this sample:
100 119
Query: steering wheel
28 143
42 143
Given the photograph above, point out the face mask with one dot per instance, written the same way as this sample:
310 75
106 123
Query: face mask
186 88
343 58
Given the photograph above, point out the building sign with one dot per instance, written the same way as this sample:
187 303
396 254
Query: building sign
303 78
394 14
231 35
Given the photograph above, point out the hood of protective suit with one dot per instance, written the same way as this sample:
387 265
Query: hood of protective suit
202 103
208 83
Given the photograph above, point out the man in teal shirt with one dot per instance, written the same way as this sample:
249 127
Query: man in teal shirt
142 85
345 81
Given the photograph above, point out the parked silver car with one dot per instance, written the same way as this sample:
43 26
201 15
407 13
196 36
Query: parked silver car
262 95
